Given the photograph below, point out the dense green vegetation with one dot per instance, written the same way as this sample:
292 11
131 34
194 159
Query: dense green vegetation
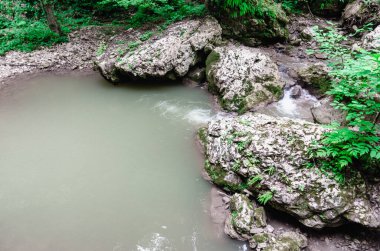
25 26
355 89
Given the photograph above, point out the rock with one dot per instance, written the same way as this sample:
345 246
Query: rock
307 34
169 55
331 8
243 77
250 29
361 12
324 113
315 78
295 91
371 41
197 75
269 154
247 221
320 56
288 241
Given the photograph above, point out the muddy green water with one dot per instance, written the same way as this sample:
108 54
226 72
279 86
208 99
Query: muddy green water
86 166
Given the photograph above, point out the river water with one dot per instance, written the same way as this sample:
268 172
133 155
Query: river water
88 166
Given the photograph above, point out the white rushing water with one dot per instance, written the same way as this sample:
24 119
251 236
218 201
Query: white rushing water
292 107
88 166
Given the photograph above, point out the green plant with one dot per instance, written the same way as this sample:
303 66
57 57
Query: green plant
146 35
271 170
255 179
166 11
355 89
101 49
265 197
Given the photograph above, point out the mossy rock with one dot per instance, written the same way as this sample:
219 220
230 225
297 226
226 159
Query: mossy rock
268 25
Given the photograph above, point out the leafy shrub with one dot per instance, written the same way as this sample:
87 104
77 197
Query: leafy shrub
144 11
355 89
255 8
28 37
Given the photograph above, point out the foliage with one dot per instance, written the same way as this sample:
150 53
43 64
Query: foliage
167 11
255 8
265 197
355 89
23 25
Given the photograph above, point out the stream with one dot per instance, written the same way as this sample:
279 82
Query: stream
89 166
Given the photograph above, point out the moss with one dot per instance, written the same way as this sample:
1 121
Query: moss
275 90
202 135
217 175
260 238
212 58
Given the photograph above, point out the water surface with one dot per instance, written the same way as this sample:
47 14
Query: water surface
88 166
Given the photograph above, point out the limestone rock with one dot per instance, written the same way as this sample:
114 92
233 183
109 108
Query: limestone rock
275 150
252 30
361 12
324 113
244 77
315 78
168 55
247 221
371 41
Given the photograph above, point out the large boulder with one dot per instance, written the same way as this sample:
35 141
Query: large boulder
361 12
315 77
371 41
325 113
251 29
247 222
244 77
169 54
269 155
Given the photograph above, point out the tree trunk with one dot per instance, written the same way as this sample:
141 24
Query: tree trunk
51 18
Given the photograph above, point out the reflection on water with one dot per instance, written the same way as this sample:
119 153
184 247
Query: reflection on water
88 166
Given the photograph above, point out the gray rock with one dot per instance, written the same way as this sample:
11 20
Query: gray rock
244 77
360 12
324 113
169 55
315 78
197 75
247 221
296 91
371 41
275 149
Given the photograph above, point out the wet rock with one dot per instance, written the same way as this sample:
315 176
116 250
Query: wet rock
197 75
324 113
315 78
361 12
169 55
295 91
371 41
252 30
244 78
269 155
